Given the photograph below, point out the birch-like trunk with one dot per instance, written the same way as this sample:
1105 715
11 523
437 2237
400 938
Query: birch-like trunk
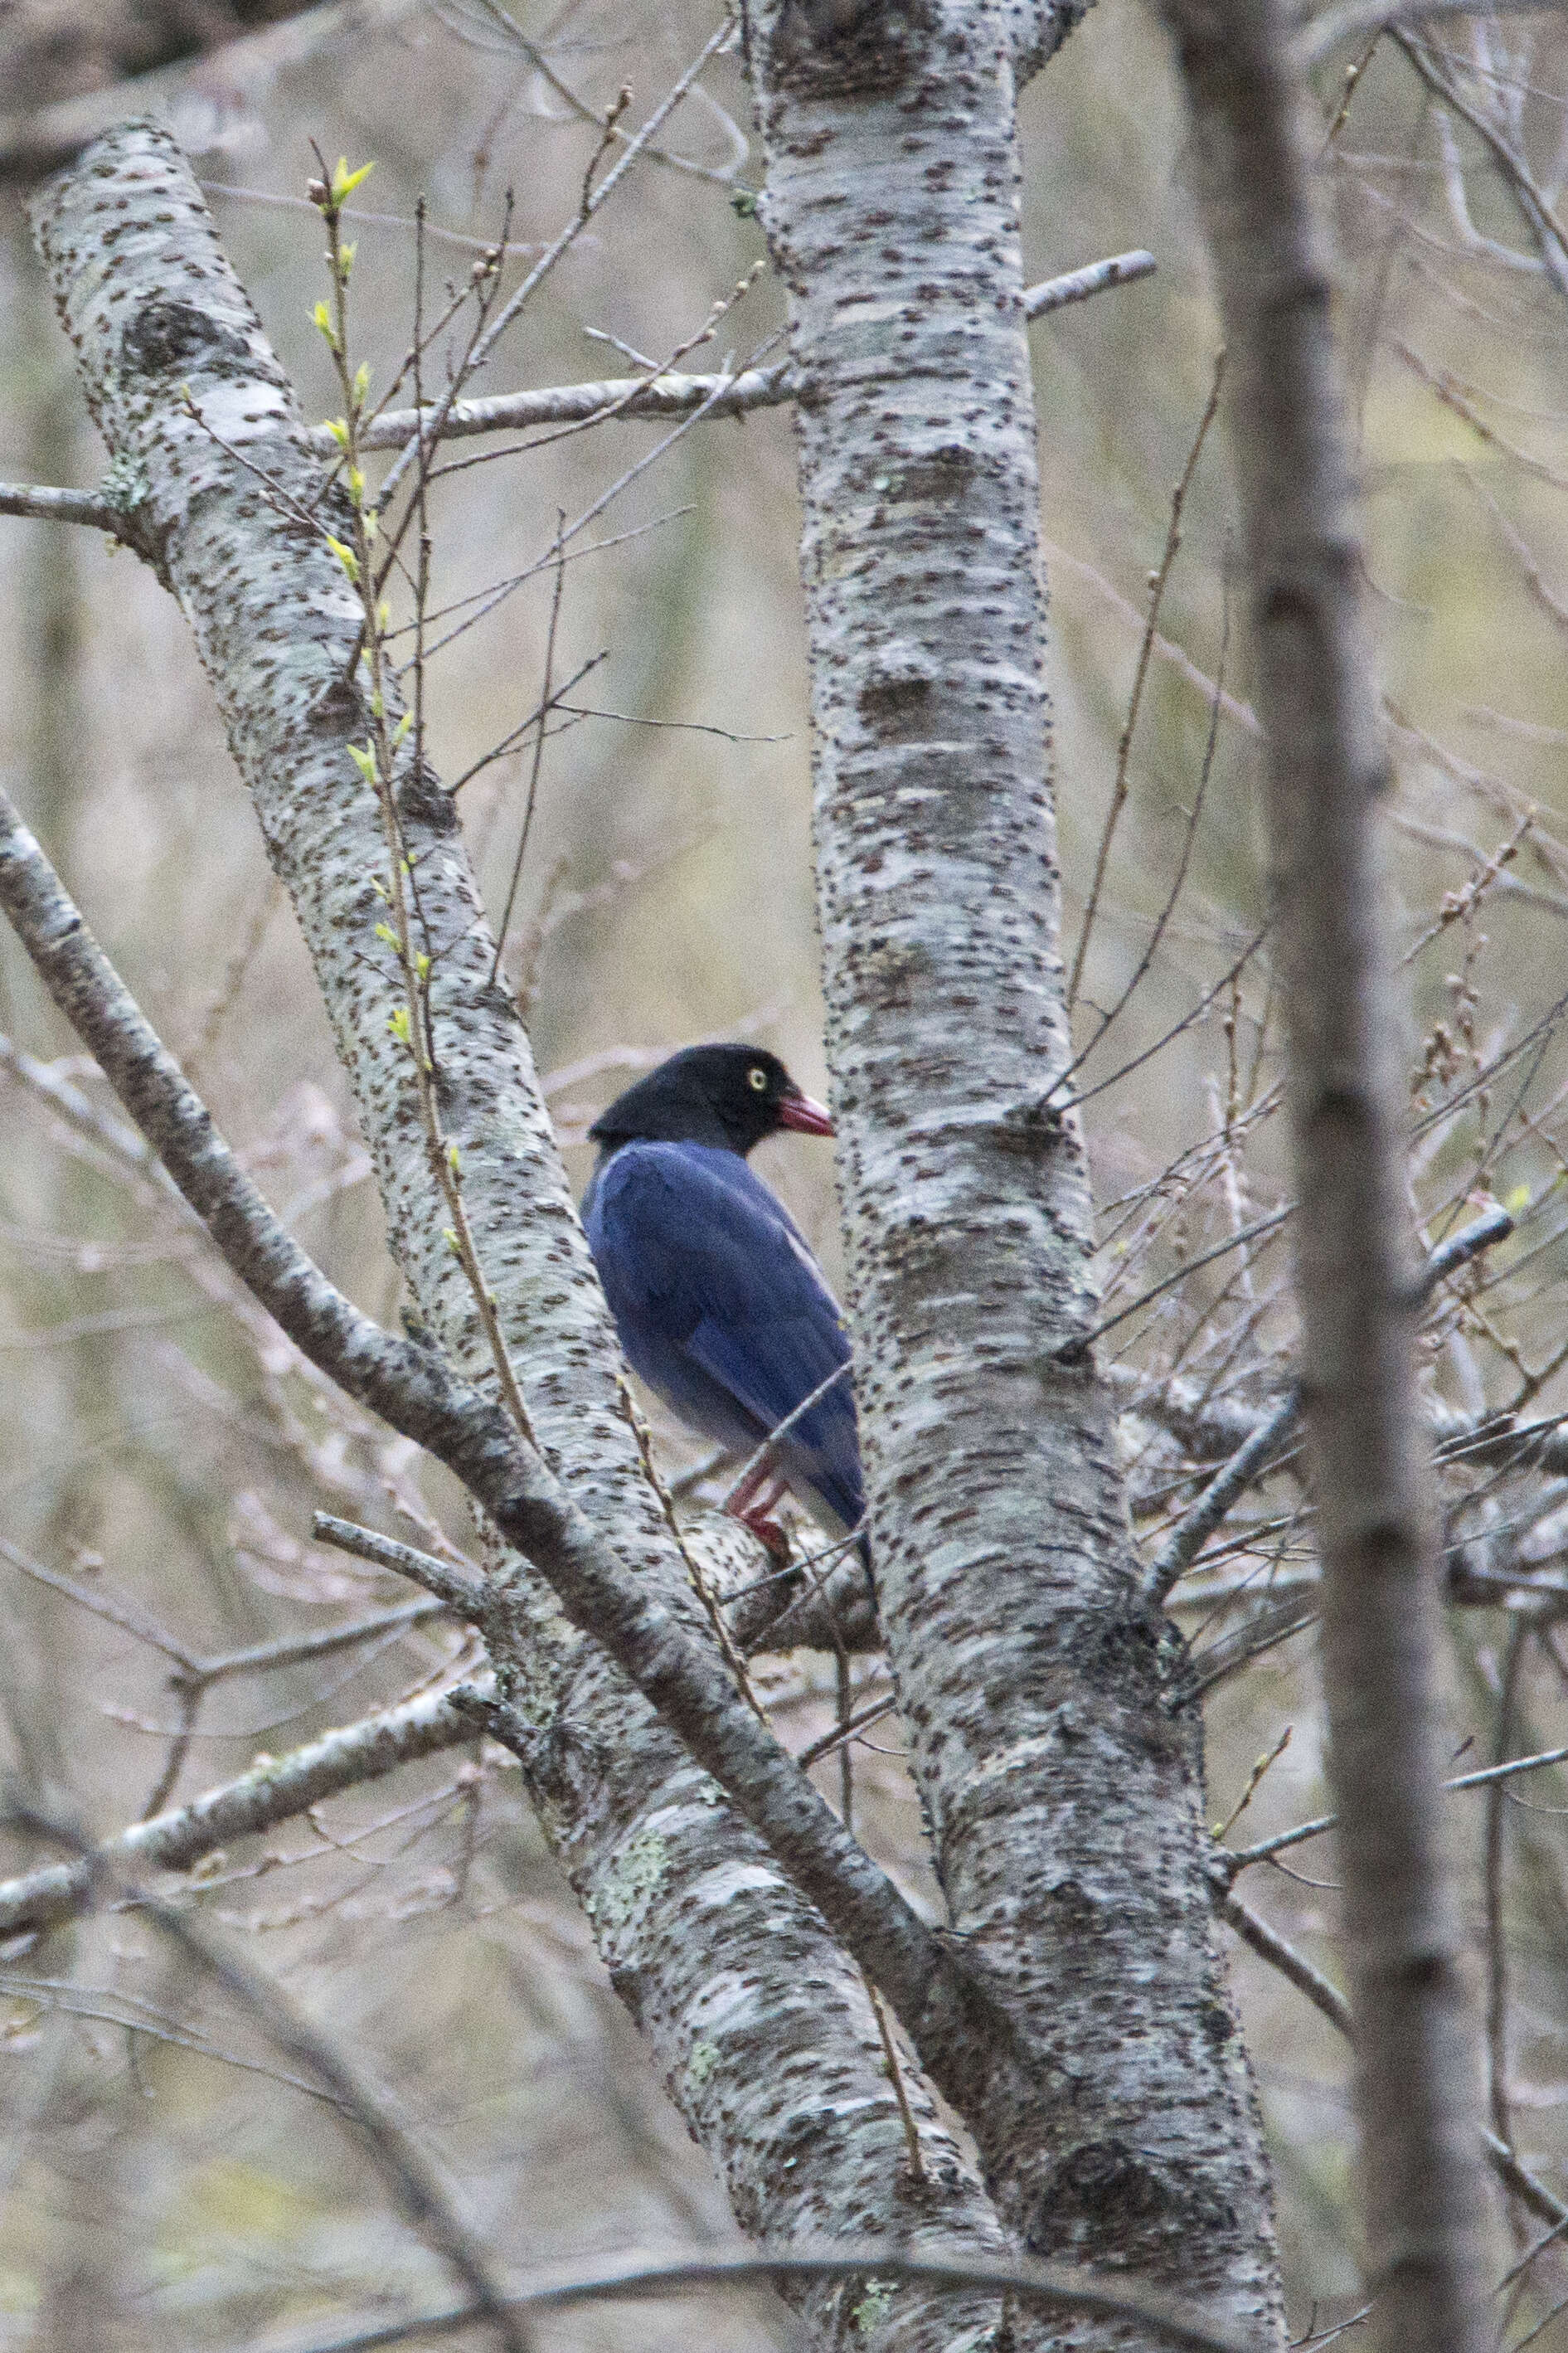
1060 1770
1417 2043
759 2022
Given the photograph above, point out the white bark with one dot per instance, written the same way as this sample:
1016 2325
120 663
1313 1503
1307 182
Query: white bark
1061 1777
759 2021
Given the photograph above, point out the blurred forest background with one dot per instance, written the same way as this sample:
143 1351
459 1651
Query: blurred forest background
163 2179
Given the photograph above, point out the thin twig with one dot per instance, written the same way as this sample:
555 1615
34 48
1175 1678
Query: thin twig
459 1588
1492 1884
1189 840
411 1388
1196 1526
1157 580
1255 1780
1271 1946
397 2157
669 394
896 2076
756 1463
639 2273
540 60
846 1729
544 701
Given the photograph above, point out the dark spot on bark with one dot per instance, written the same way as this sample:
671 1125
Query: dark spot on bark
943 474
1072 1914
628 1986
1217 2023
1034 1128
1107 2201
496 997
889 704
339 705
1424 1971
423 799
562 1765
1171 1645
1103 2184
889 975
844 45
1130 1651
170 338
415 1329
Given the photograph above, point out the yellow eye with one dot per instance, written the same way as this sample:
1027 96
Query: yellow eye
758 1078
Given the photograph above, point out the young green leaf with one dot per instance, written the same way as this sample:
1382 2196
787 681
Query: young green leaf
345 181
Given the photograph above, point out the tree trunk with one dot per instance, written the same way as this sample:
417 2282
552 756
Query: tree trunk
759 2022
1417 2045
1061 1769
1060 1765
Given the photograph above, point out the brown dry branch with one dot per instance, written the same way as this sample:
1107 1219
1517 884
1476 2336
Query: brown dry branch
1417 2076
639 2273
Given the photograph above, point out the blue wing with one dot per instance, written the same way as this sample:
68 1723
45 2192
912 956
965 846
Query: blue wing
723 1310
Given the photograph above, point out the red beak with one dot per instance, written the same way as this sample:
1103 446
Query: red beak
798 1111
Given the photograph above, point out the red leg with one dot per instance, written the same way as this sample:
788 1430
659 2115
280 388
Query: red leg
754 1506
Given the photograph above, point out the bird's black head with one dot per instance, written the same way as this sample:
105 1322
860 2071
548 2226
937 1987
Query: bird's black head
727 1095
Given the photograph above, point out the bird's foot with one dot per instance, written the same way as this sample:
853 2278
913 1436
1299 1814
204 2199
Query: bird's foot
754 1507
766 1530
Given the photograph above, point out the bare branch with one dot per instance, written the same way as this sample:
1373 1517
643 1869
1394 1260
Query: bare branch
671 393
271 1792
1353 20
1327 1998
1272 1948
1494 1225
1263 1443
130 57
458 1586
399 2159
42 504
1094 278
410 1388
1055 2286
1514 172
1196 1526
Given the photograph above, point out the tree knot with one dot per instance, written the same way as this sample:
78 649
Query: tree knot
168 338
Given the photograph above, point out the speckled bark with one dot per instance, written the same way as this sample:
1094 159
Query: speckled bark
1061 1775
1417 2039
759 2021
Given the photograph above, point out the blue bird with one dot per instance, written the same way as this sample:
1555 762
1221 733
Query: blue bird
721 1307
